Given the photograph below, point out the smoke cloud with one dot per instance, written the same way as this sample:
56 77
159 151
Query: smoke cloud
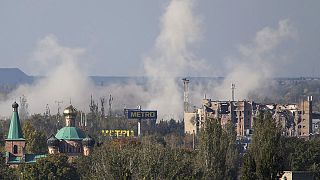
256 62
66 80
172 57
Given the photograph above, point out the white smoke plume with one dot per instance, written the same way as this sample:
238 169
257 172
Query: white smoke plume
256 63
172 57
64 80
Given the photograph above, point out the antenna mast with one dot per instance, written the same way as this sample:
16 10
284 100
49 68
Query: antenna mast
59 107
102 100
110 104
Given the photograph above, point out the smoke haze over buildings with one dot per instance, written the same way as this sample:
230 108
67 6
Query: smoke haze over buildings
172 56
256 62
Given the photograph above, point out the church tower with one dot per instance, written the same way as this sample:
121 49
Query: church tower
15 143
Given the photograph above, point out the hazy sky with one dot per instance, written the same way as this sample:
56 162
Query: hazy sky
117 35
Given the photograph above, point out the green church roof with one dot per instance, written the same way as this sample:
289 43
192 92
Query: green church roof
15 131
70 133
28 158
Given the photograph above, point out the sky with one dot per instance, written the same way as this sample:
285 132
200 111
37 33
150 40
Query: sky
115 37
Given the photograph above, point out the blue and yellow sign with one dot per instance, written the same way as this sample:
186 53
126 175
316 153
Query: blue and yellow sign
138 114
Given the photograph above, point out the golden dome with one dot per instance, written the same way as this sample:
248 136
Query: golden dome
70 111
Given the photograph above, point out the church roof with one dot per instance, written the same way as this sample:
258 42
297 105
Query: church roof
15 131
70 133
28 158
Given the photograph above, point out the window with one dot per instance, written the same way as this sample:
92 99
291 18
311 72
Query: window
15 149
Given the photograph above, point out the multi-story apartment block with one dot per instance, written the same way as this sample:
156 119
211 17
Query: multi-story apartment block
294 119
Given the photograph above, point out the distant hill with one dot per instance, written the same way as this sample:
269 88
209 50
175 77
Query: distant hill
10 78
14 76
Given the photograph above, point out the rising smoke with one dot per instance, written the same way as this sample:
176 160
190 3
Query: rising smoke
256 62
64 80
171 57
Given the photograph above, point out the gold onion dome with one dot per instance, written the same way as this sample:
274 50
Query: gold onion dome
70 111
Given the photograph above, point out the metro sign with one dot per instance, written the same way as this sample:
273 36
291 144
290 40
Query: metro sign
137 114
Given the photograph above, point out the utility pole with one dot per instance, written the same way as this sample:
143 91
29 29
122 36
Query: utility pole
102 100
59 107
139 122
47 113
58 113
110 104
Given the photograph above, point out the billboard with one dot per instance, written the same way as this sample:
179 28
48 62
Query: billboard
139 114
117 132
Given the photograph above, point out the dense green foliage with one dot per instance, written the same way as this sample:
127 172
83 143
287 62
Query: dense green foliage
36 140
150 158
5 171
52 167
264 160
270 153
218 155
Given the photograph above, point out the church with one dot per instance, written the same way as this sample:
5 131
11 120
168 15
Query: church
69 140
15 144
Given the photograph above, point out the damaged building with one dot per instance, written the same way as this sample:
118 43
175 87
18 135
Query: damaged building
295 119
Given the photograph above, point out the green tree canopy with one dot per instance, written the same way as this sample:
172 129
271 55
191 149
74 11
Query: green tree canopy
264 160
36 140
54 166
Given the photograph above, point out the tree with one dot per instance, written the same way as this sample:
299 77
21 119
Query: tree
265 150
249 168
218 156
55 166
5 171
36 140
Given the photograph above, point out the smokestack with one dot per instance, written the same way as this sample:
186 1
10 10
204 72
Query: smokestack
233 86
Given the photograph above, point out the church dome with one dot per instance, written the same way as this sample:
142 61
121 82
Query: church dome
70 133
15 105
88 141
53 141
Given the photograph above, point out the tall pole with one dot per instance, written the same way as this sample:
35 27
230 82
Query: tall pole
233 87
186 94
139 123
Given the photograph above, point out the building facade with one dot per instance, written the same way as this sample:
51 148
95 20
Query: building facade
295 119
